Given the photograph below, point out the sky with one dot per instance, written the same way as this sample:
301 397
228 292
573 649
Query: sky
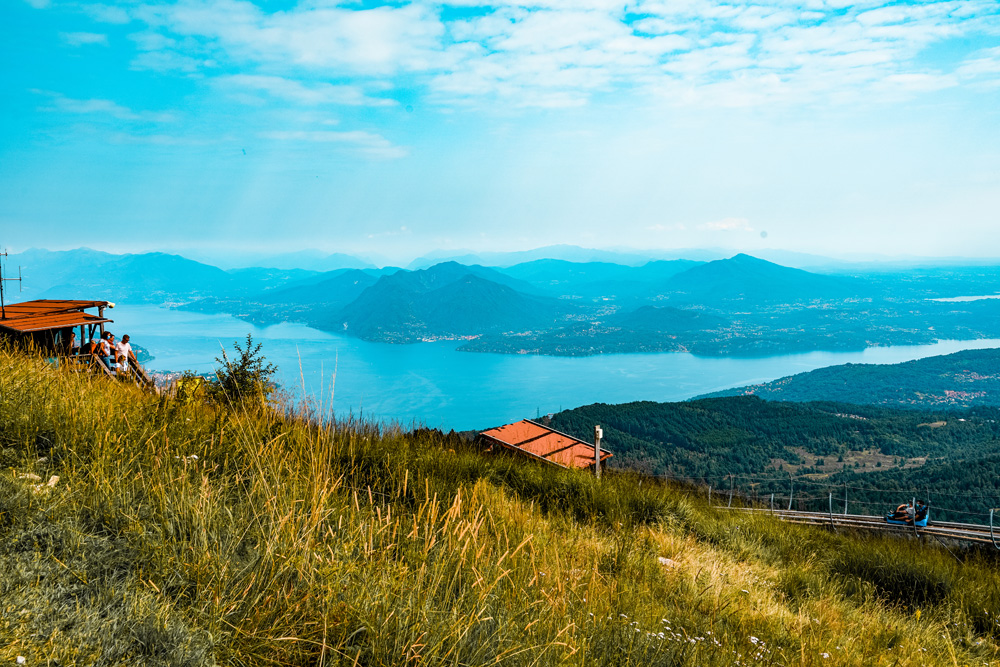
395 129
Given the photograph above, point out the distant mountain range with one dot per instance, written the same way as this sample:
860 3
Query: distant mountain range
960 380
741 305
754 280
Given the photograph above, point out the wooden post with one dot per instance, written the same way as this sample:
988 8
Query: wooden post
598 434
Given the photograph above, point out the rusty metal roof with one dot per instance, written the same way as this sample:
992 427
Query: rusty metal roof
45 314
48 307
542 442
52 321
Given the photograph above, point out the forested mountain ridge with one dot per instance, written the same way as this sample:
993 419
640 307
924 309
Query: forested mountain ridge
765 444
960 380
741 306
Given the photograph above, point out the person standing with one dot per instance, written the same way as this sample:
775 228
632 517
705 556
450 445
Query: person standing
124 354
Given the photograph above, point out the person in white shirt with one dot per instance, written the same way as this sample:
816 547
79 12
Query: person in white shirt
123 353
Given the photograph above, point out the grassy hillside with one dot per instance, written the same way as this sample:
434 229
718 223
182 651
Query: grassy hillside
196 535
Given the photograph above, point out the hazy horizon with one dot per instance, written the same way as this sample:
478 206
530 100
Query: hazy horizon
621 255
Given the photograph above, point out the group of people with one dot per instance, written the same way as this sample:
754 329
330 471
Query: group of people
112 354
910 513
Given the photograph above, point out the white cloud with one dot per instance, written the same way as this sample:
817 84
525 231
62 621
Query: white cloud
564 52
727 225
106 13
101 107
84 38
383 40
367 143
314 94
39 4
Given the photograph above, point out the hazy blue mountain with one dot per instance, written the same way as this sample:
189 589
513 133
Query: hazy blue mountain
143 278
307 260
334 287
448 272
448 300
747 278
963 379
43 269
593 280
256 279
569 253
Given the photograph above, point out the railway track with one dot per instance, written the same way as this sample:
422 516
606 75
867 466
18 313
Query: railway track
965 532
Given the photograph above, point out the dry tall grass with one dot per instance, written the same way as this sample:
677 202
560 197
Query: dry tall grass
197 535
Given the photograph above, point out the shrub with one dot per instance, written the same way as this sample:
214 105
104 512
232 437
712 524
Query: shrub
246 376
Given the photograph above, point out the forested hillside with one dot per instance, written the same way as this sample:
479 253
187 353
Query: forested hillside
886 454
963 379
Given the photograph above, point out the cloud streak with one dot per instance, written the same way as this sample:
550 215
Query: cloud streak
562 53
366 143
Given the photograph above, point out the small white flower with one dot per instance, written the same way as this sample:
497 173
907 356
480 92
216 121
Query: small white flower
754 640
20 659
825 655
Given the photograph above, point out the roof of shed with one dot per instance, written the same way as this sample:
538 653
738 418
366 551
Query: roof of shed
45 314
544 443
48 306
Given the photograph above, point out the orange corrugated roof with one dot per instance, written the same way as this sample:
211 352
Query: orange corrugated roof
545 443
44 314
48 306
50 321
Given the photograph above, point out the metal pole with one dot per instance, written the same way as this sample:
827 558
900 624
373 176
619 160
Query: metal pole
3 308
730 491
772 503
832 524
709 495
992 538
598 434
791 489
845 498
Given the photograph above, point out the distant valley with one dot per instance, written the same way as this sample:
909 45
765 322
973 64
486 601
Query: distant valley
739 306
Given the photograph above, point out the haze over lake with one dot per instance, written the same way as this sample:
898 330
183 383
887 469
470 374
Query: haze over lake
434 385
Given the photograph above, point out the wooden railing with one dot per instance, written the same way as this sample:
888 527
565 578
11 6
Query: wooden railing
93 363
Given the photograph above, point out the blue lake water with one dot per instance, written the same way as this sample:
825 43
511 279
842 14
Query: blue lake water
434 385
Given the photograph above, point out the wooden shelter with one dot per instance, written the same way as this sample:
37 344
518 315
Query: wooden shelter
48 325
539 442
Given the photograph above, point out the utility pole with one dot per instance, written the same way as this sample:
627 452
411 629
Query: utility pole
598 434
3 307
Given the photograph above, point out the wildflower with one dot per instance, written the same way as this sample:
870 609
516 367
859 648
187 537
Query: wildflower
20 659
754 640
825 655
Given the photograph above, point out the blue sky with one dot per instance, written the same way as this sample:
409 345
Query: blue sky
393 129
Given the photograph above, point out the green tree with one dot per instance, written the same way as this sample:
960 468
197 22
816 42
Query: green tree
247 375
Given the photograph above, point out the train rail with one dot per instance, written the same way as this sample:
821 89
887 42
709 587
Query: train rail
964 532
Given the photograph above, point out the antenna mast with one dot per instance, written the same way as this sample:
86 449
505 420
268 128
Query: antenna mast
3 308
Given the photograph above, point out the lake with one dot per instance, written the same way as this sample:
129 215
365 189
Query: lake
434 385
